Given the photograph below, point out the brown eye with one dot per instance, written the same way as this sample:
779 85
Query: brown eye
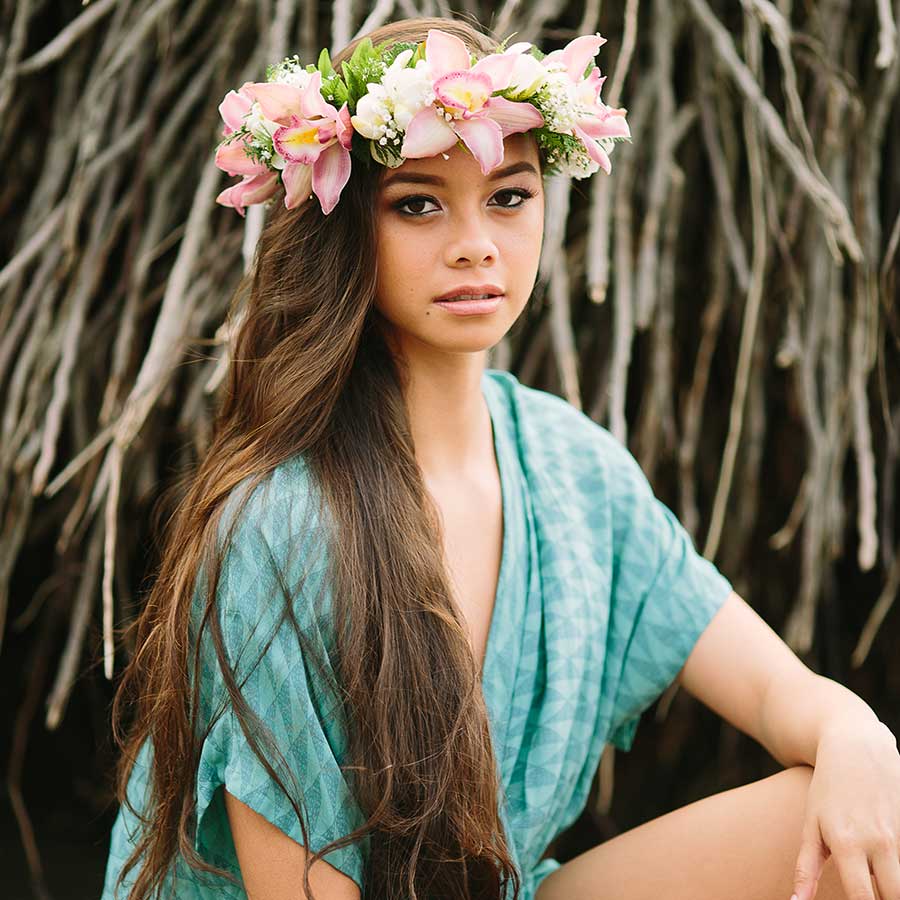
408 201
522 193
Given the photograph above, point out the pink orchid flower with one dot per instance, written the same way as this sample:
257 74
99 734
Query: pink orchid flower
466 89
255 189
602 121
234 107
311 133
259 182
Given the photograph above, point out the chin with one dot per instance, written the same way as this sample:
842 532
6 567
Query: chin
454 334
483 339
468 335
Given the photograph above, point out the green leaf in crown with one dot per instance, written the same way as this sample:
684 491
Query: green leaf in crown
324 64
385 155
364 66
392 52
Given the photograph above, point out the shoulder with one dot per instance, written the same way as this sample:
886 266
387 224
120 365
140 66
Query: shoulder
271 555
560 431
270 509
270 538
535 401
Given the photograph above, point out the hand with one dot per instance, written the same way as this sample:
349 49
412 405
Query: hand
853 813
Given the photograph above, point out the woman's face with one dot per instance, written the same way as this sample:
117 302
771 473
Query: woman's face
442 225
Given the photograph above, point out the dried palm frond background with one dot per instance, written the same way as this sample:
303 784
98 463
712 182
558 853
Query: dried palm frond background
725 303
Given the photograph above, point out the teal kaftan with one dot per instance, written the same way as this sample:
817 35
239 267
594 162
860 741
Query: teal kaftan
600 599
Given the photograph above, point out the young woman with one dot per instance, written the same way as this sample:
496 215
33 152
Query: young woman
406 600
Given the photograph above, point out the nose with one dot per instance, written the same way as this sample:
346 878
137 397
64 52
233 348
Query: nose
472 243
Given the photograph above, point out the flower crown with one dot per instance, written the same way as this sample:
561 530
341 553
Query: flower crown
409 101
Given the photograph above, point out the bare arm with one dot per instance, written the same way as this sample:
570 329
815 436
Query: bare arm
742 670
272 863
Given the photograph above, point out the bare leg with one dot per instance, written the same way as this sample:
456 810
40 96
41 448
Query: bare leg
740 844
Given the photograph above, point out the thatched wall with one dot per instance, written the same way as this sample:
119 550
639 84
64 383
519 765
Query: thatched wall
725 303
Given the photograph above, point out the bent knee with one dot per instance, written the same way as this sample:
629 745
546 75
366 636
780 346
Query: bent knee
787 791
799 771
747 836
796 780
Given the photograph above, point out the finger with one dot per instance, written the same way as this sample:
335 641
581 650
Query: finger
853 866
808 868
886 868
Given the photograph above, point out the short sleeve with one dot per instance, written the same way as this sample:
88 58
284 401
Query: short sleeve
280 686
664 594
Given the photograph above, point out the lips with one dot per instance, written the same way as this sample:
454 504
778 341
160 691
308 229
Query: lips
471 290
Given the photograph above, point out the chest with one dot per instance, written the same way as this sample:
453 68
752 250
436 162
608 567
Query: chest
472 519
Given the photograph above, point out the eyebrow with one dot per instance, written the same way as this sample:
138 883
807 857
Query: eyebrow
422 178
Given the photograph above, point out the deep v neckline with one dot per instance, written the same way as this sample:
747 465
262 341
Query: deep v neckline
505 553
517 582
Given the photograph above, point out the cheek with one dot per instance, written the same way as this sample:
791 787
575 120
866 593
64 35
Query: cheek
538 231
386 251
402 256
525 240
393 247
402 265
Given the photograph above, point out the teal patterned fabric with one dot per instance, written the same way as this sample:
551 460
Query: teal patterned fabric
600 599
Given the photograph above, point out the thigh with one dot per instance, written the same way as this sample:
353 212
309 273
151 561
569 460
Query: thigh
741 843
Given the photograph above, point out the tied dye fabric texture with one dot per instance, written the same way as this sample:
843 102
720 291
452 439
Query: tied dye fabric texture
601 598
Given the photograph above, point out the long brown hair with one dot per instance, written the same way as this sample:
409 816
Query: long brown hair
312 374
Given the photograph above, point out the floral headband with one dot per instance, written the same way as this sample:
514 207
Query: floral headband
409 101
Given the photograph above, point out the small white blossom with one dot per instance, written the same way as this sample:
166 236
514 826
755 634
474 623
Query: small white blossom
408 90
575 163
558 102
387 108
372 116
291 72
260 127
528 75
